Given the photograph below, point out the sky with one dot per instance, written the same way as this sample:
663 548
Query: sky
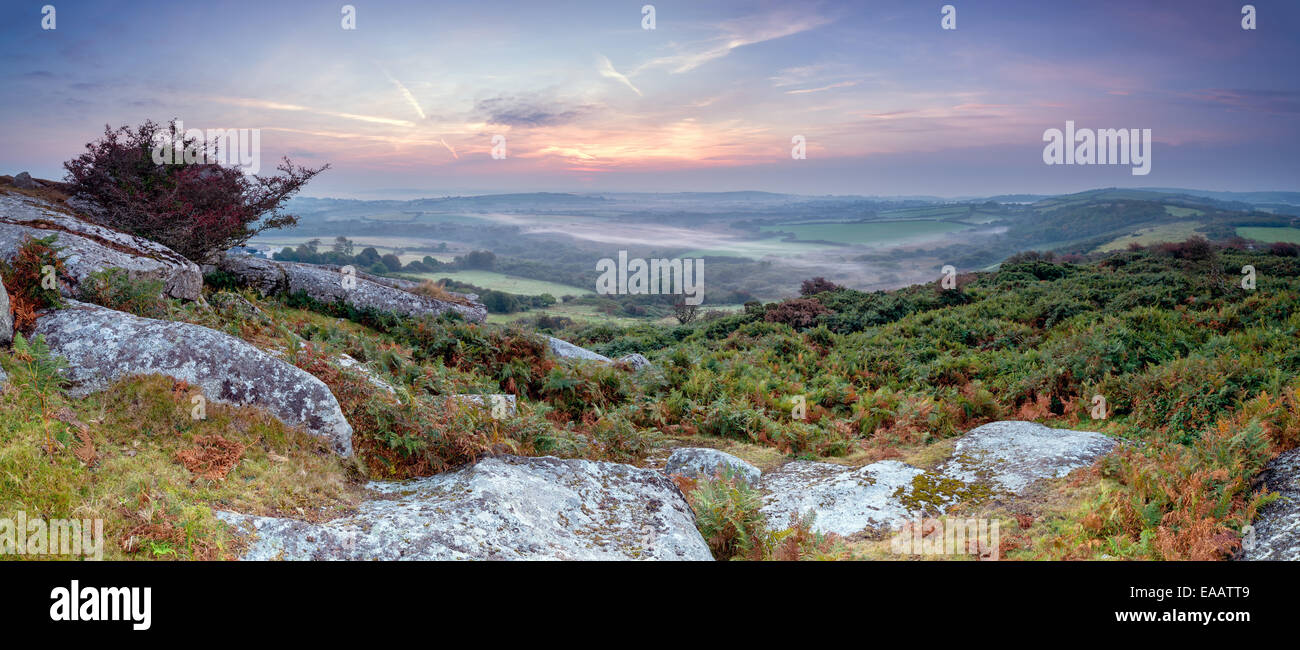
887 101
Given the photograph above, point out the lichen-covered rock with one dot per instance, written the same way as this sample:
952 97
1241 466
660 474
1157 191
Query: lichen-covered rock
103 345
636 361
509 405
87 248
697 462
25 181
1276 530
6 317
327 284
235 308
566 350
348 363
501 508
844 500
1011 454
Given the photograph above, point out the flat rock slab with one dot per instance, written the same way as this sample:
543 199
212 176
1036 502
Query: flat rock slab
1277 527
501 508
567 350
103 345
1009 455
325 284
845 500
702 462
88 248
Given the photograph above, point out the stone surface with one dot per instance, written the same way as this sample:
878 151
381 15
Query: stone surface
25 181
501 508
87 248
566 350
697 462
1009 455
486 401
234 307
325 284
845 500
348 363
6 317
103 345
1277 526
635 360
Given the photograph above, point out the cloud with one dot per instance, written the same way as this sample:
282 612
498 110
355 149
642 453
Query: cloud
513 110
410 99
736 33
842 84
606 69
280 106
1256 101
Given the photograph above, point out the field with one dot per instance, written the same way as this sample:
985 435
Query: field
758 249
1153 235
588 314
1270 235
507 283
869 232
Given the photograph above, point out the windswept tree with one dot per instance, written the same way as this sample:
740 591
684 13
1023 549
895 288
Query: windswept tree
197 209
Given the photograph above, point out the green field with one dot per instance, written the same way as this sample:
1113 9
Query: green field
758 249
1169 232
1183 212
869 232
1270 235
507 283
589 314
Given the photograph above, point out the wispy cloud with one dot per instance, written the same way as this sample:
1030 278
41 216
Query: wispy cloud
281 106
802 91
410 99
736 33
606 69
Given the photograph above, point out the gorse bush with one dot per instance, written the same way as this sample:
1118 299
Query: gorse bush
196 209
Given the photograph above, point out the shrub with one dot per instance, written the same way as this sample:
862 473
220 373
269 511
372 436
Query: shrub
727 514
798 313
816 285
114 289
25 279
195 209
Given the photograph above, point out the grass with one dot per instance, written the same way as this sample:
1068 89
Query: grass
508 283
118 457
878 233
1169 232
1271 235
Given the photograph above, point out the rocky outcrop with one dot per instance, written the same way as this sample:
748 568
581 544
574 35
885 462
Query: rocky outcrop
326 284
1009 455
102 345
1275 533
509 404
87 247
501 508
566 350
990 460
25 181
702 462
635 360
6 317
844 500
235 308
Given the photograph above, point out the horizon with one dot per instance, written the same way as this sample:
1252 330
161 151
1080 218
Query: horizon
709 100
